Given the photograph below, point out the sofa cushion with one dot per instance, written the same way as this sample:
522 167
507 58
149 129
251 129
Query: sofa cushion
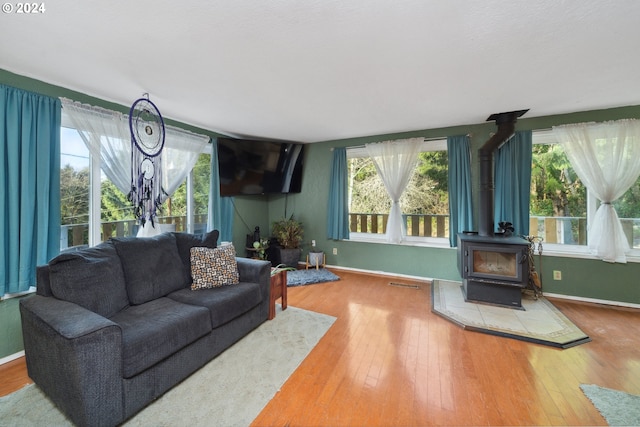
211 268
152 266
224 303
186 241
90 277
157 329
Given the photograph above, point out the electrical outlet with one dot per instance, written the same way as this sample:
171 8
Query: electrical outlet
557 275
313 243
335 251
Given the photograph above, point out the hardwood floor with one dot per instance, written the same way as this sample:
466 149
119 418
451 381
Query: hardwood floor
13 376
389 361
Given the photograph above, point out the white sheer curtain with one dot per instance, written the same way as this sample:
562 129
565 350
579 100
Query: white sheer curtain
107 136
606 157
395 162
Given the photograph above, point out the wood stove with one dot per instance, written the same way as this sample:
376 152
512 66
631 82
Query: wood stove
494 269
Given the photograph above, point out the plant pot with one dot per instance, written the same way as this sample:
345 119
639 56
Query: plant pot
315 259
290 257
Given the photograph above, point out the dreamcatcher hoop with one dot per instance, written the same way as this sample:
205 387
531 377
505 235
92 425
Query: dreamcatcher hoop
147 141
147 127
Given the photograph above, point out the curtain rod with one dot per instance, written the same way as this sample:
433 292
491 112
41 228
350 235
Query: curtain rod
435 138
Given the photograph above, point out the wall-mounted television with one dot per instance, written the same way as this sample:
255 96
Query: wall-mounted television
250 167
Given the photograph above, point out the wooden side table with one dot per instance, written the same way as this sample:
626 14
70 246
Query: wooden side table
278 290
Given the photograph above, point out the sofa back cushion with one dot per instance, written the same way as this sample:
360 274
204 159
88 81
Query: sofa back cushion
186 241
152 266
90 277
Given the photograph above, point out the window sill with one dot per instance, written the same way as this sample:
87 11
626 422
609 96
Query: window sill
31 290
566 251
581 252
429 242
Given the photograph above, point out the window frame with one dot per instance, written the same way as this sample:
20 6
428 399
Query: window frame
95 196
435 144
546 136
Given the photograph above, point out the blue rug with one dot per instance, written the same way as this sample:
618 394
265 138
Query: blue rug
617 407
308 277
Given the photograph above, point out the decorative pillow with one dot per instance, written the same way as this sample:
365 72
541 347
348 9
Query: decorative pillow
212 268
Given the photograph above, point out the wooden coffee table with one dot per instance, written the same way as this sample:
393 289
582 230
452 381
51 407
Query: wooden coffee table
278 290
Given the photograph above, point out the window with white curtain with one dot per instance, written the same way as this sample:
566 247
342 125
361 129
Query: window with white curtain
94 208
562 208
424 204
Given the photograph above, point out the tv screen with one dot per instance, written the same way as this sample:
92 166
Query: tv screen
259 167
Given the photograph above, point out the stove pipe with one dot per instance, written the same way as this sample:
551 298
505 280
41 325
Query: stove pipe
506 128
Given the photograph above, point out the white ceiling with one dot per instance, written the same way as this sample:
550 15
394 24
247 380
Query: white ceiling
314 70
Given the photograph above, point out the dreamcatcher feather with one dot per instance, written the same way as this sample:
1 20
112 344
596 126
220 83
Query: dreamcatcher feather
147 141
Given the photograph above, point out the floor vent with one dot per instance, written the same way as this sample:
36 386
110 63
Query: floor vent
404 285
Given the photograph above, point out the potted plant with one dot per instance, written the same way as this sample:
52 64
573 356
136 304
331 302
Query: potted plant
289 233
260 247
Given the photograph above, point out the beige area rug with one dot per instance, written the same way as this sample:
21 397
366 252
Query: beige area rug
616 407
540 322
231 390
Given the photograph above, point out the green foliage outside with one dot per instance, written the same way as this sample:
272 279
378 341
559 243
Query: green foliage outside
555 188
74 196
426 193
177 206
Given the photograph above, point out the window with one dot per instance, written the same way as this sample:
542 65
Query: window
80 177
74 189
561 207
425 202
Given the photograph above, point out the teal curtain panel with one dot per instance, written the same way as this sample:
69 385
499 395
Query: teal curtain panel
512 164
220 208
459 174
29 184
338 204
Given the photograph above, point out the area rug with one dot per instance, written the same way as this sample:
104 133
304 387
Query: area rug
231 390
311 276
540 322
617 407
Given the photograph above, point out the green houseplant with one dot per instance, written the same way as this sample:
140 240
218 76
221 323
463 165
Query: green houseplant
289 233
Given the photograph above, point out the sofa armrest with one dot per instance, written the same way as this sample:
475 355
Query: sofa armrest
75 356
255 271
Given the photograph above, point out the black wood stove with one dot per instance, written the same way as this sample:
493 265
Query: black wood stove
494 269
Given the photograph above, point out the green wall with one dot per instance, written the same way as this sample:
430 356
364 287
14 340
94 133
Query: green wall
580 277
10 327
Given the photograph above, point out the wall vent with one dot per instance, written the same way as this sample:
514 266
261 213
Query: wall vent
404 285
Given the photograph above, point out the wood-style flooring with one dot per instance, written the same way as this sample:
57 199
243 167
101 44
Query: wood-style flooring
389 361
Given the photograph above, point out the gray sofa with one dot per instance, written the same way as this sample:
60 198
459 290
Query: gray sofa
112 327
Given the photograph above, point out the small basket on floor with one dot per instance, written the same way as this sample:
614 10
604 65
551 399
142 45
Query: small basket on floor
316 259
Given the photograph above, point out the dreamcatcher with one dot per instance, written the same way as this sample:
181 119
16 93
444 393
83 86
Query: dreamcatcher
147 140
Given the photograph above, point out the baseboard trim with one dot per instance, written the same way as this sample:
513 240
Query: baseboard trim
380 273
592 300
552 295
11 357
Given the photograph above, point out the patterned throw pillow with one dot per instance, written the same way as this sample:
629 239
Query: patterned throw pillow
212 268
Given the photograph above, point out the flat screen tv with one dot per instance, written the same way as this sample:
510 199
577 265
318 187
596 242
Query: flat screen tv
250 167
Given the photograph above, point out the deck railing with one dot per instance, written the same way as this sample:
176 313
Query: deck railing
561 230
573 230
78 234
429 225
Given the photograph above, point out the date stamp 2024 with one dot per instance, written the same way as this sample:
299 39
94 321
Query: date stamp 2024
24 8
